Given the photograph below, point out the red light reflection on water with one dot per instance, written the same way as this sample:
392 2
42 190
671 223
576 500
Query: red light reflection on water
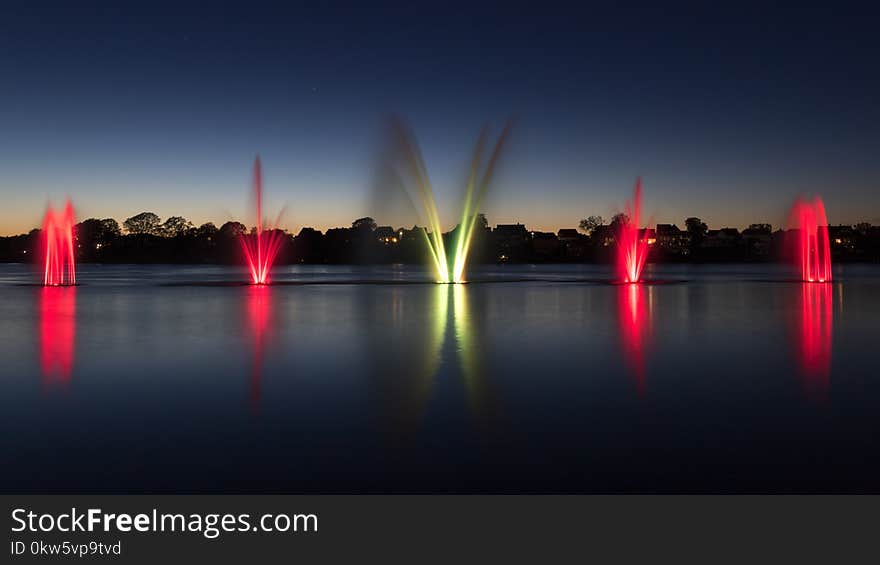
814 337
635 329
57 333
259 310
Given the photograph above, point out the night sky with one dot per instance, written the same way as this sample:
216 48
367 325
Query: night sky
726 112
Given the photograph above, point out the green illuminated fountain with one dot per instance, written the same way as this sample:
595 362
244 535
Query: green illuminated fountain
412 175
412 167
478 183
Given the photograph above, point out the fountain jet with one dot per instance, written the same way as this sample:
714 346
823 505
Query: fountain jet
812 252
411 166
632 248
408 170
260 247
59 266
478 184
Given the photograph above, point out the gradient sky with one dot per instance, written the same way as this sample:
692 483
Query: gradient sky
727 111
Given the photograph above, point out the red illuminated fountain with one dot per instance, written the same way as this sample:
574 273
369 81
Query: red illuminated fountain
811 250
59 267
261 247
632 248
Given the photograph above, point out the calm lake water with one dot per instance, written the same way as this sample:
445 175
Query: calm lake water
727 378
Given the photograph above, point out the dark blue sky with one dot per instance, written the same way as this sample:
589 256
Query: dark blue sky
727 111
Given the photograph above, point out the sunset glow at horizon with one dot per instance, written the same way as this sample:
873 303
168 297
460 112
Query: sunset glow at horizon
163 110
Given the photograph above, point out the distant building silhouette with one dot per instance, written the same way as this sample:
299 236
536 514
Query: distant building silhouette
545 244
512 241
673 240
724 238
386 235
758 240
567 235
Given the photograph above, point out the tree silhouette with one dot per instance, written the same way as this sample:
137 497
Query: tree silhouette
231 230
364 223
207 231
176 226
589 224
110 228
92 235
94 231
618 221
143 223
698 230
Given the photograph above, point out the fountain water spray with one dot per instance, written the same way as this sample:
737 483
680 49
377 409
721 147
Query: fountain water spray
409 170
412 166
632 248
812 251
476 191
262 246
59 266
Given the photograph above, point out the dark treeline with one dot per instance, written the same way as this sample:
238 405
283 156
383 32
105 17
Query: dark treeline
144 238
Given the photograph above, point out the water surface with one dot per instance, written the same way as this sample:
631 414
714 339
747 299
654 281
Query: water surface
727 378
